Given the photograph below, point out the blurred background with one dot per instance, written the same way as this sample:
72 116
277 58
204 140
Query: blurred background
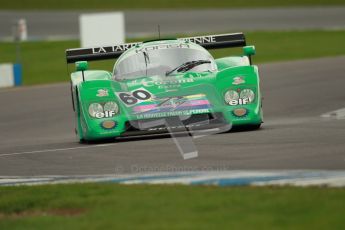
36 31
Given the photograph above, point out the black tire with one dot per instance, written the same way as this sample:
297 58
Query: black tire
240 128
72 97
254 127
83 141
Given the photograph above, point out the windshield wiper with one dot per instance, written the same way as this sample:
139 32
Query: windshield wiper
147 60
187 66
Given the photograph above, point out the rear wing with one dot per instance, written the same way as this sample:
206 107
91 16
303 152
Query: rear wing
110 52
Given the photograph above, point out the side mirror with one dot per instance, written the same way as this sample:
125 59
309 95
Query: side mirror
81 65
249 50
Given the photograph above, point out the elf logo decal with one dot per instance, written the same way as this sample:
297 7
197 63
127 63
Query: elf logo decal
132 98
105 114
102 93
238 80
240 101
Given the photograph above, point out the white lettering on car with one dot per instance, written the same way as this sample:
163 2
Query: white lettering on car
201 40
161 46
170 81
240 101
105 114
132 98
98 50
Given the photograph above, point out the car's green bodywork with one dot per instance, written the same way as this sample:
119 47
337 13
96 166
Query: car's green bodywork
234 73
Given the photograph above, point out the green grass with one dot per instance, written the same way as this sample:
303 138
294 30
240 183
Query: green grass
159 4
44 62
109 206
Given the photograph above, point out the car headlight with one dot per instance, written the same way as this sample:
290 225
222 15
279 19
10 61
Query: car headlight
231 95
111 106
95 108
247 94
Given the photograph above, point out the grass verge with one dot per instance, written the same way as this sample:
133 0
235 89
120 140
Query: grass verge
158 4
44 62
110 206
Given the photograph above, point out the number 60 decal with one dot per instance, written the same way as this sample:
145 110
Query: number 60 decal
131 98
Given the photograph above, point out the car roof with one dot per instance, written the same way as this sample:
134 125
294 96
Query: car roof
172 42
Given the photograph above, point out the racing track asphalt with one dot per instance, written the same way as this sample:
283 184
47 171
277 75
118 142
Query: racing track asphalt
37 137
64 24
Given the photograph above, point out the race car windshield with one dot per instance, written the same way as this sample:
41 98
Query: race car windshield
163 60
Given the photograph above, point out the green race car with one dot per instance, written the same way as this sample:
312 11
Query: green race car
165 85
